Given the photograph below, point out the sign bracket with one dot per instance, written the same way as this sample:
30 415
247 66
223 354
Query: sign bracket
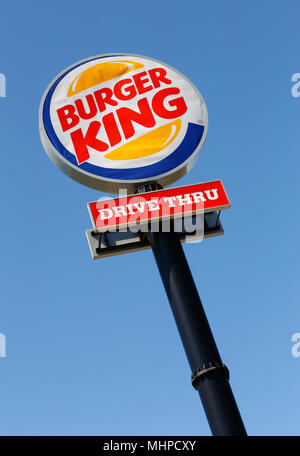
110 243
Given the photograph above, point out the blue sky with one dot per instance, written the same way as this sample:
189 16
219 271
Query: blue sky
91 345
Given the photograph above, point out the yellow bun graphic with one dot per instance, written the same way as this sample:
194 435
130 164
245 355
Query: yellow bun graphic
101 72
148 144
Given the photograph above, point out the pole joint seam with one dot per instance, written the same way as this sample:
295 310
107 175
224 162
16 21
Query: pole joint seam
200 373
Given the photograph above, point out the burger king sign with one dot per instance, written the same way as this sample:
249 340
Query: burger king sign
119 120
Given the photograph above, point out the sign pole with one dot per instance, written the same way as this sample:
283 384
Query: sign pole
146 122
209 375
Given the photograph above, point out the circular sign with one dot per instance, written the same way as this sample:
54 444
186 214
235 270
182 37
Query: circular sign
119 121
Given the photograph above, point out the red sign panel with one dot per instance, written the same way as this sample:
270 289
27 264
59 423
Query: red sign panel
126 211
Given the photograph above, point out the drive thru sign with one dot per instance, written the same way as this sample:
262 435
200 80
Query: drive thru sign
138 209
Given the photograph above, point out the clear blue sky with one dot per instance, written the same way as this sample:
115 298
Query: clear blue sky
91 345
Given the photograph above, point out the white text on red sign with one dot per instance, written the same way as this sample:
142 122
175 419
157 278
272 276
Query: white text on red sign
159 205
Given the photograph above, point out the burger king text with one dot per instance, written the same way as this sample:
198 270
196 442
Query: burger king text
166 103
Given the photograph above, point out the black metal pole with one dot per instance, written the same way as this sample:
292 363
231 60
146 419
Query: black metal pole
210 376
